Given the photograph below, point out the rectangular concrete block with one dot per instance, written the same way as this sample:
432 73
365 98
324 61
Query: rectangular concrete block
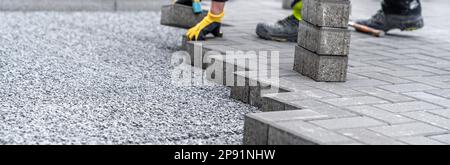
327 13
297 132
257 125
180 16
241 93
255 94
281 137
409 129
347 123
320 67
255 131
324 40
305 114
270 104
369 137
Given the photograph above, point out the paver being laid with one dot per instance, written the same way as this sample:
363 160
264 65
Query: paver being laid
394 91
324 40
181 16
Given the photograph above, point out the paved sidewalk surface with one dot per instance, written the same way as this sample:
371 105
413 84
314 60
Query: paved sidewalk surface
397 91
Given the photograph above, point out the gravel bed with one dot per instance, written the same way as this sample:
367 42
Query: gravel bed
103 78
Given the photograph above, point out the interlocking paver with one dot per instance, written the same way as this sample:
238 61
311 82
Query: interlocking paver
430 81
344 123
369 137
305 131
407 73
430 119
420 140
386 116
361 100
442 112
429 69
411 87
440 92
390 96
430 98
384 77
408 106
442 138
333 112
409 129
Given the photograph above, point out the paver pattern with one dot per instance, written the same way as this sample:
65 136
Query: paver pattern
397 88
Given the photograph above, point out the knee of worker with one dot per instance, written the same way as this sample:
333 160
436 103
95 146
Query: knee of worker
297 6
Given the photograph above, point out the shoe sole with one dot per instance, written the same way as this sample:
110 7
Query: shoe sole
416 24
262 34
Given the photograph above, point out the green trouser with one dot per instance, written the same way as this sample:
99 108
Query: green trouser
297 9
296 6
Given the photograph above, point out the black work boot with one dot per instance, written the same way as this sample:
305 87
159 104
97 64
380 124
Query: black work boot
386 22
184 2
285 30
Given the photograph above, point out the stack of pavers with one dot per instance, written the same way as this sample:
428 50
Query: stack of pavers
323 40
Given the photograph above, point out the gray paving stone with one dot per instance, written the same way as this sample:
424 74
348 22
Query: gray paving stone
440 92
320 68
409 129
412 87
386 116
384 77
364 83
430 119
420 140
442 112
337 89
272 104
430 98
256 95
324 40
442 138
281 137
180 16
357 100
304 94
241 93
380 93
255 131
430 81
407 73
256 126
307 104
333 112
429 69
345 123
284 132
304 114
369 137
408 62
327 13
408 106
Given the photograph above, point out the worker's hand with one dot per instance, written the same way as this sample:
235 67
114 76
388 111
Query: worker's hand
210 24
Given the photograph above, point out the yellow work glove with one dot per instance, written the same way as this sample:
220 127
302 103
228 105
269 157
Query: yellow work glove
210 24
